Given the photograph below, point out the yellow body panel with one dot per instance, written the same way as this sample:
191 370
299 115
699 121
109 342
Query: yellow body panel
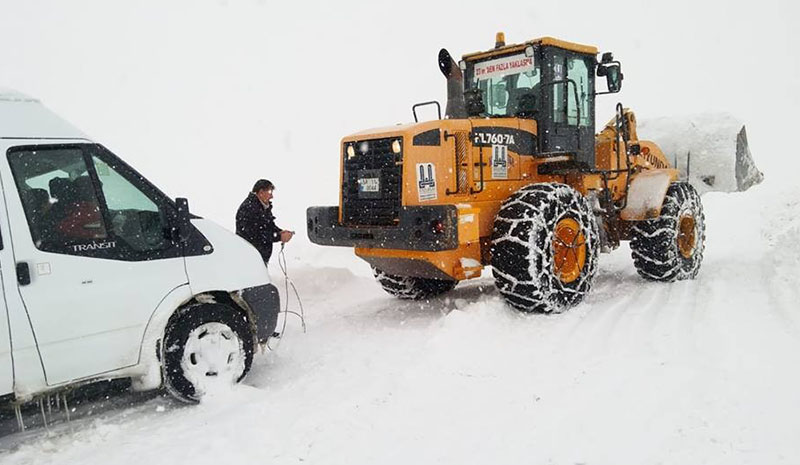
465 178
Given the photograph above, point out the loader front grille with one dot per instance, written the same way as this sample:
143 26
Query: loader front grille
371 182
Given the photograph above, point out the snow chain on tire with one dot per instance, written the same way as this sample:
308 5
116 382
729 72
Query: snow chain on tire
524 248
411 288
670 247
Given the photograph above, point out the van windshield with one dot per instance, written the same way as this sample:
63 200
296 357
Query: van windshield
509 85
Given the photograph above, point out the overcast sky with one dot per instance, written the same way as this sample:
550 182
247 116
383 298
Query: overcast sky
206 96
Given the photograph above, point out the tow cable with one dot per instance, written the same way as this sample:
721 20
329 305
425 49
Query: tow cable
286 312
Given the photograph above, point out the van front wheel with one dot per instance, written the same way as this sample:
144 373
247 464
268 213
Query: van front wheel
204 346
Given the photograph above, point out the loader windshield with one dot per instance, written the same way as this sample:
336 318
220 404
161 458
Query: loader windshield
509 85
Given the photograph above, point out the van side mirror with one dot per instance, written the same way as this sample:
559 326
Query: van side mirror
184 226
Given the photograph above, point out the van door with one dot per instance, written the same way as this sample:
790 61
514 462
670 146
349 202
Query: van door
93 234
6 364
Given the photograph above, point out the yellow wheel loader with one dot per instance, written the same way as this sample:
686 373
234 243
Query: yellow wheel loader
515 177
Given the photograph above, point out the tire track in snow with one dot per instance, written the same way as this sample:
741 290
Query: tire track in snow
643 319
783 313
675 326
603 312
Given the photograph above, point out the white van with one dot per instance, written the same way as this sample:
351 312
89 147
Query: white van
103 276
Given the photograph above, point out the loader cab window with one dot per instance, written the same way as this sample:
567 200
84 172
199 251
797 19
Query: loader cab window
509 84
566 122
571 90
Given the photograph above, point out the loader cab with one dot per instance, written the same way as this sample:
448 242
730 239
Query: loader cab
546 80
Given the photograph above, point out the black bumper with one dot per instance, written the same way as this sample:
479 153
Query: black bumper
265 304
414 230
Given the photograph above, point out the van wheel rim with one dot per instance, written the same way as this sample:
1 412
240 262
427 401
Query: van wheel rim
569 250
213 354
687 235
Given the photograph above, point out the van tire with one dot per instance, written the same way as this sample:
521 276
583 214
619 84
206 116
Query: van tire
412 288
537 232
185 352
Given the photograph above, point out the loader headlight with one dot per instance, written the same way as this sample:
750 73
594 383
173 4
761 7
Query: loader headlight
396 146
363 147
351 152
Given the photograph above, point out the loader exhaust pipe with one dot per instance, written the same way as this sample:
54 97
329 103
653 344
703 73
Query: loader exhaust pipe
456 108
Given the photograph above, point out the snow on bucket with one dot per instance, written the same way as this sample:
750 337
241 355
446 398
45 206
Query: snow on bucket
711 149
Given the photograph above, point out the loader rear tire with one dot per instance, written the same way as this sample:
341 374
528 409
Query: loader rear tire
412 288
545 245
670 247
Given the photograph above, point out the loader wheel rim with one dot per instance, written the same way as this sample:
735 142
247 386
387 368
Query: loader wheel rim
569 250
687 236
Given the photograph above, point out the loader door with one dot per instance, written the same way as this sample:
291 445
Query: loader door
567 122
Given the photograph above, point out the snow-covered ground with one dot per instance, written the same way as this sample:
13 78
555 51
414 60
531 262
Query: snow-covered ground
701 371
205 96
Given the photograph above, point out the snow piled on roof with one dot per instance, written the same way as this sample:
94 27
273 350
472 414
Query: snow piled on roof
25 117
11 95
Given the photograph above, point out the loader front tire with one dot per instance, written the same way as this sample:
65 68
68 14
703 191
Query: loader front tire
412 288
670 247
545 244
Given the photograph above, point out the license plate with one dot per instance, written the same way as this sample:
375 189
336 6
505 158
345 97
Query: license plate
369 185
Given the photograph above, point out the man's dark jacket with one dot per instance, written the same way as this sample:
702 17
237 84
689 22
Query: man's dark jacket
256 224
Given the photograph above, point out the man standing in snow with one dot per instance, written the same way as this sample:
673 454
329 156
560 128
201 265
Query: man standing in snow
255 222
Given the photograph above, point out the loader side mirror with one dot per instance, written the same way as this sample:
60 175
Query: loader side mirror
613 74
184 225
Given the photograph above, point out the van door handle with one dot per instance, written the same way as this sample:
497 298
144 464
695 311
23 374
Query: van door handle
23 274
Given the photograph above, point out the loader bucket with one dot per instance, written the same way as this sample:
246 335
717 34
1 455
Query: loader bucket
747 175
710 151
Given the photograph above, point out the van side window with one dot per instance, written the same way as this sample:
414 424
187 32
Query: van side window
58 197
134 217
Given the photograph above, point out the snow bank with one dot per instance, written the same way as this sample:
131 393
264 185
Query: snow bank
711 149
